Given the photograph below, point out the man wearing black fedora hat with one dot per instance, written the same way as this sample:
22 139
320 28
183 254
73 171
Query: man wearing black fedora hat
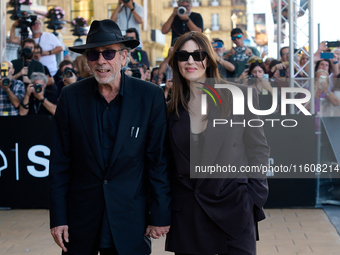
109 189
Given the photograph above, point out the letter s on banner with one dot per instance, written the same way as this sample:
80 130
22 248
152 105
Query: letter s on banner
38 160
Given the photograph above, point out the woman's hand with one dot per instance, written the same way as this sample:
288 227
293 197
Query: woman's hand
244 77
266 85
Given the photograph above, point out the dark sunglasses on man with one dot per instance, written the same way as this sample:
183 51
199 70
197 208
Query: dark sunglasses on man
196 55
234 37
93 55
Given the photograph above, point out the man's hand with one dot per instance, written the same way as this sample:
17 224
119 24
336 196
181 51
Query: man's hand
217 57
322 46
24 71
16 23
29 89
25 79
156 232
69 80
230 53
128 71
264 53
129 5
40 95
248 52
60 234
174 13
168 84
280 66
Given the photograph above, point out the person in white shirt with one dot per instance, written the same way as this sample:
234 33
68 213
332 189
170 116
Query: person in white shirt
48 42
128 15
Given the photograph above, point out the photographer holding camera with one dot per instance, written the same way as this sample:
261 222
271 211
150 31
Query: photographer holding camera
37 100
69 76
183 20
127 15
26 65
11 91
240 54
137 55
48 42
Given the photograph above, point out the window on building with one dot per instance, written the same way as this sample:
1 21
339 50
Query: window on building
239 17
215 2
83 9
215 22
195 3
173 3
239 2
36 2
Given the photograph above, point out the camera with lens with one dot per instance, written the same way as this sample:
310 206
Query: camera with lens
37 88
4 73
181 10
126 1
136 73
26 53
68 72
135 70
283 72
25 17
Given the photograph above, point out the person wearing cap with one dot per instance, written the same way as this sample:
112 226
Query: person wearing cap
240 54
181 24
109 188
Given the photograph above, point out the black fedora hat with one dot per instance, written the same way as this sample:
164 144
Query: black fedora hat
102 33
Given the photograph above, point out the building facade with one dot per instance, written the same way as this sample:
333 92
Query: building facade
219 16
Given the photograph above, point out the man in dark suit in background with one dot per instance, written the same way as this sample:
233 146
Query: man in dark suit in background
109 189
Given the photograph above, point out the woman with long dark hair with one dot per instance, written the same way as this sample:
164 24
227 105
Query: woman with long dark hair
211 214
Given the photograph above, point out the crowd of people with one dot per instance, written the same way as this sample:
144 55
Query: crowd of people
240 63
121 156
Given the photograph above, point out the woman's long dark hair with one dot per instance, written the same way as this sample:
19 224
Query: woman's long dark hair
255 64
180 92
329 65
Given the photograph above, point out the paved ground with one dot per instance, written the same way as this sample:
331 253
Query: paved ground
285 231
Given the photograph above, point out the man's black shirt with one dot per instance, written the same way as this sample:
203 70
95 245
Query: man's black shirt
37 108
179 27
34 66
107 118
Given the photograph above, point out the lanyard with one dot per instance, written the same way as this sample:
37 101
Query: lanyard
40 38
127 21
35 107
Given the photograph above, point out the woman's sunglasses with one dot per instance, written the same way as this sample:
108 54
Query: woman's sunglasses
93 55
234 37
256 61
197 55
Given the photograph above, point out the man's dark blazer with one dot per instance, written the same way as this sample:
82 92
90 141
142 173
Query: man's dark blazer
230 202
133 188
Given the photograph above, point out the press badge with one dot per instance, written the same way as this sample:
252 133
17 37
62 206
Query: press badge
264 92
